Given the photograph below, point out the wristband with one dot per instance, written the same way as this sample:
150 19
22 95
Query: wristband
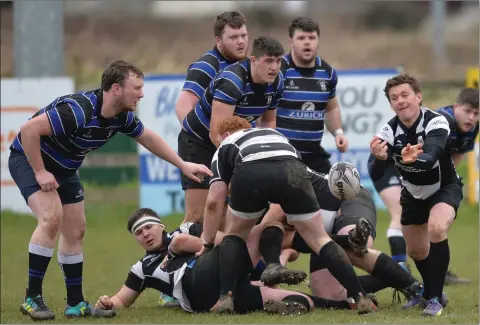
209 246
338 132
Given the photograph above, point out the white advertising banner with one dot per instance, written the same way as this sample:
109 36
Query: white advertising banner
364 110
21 98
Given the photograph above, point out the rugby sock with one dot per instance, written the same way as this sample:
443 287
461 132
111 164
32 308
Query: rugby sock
391 273
439 259
327 303
398 246
38 259
423 266
341 240
340 267
231 261
270 244
72 266
371 284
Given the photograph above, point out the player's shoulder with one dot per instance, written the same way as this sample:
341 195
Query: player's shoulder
240 68
212 57
324 65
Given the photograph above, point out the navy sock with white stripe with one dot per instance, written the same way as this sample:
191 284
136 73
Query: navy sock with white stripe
38 260
72 266
398 246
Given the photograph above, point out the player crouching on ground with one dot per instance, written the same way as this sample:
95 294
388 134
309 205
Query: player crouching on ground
194 281
351 223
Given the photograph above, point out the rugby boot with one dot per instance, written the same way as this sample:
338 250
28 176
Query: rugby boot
36 308
287 308
224 305
452 278
276 273
434 308
364 305
84 309
166 301
358 237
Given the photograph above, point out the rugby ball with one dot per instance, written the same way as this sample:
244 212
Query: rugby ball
344 181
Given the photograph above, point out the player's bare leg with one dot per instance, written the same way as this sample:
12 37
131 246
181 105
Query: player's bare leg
195 200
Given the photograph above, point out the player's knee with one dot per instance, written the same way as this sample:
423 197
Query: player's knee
50 221
418 253
437 231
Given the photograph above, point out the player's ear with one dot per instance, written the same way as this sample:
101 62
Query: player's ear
290 42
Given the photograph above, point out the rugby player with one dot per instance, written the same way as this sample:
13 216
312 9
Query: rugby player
352 224
44 160
463 120
250 88
309 99
416 140
267 169
193 281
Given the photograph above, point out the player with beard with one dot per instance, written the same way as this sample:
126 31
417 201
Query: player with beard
231 44
309 99
44 160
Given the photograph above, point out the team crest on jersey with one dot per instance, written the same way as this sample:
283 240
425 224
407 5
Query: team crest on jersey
323 85
291 85
269 99
420 139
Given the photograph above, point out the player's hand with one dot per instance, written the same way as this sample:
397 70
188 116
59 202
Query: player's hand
379 148
410 153
196 172
46 180
341 142
104 302
202 251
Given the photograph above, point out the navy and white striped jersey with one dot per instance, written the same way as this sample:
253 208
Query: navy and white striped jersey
459 142
249 145
78 128
300 113
432 169
233 86
201 72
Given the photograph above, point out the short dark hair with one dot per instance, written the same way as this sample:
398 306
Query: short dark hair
468 96
265 45
233 19
305 24
117 72
400 80
138 214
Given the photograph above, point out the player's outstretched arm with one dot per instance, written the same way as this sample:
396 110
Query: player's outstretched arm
122 299
156 145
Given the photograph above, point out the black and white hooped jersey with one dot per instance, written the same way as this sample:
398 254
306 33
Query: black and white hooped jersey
146 273
201 72
249 145
300 113
434 167
78 128
459 142
233 86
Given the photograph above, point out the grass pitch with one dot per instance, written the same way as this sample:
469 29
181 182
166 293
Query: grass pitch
110 251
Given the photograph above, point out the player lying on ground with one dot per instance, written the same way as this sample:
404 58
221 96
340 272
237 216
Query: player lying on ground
267 169
195 281
416 139
356 218
463 121
44 160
